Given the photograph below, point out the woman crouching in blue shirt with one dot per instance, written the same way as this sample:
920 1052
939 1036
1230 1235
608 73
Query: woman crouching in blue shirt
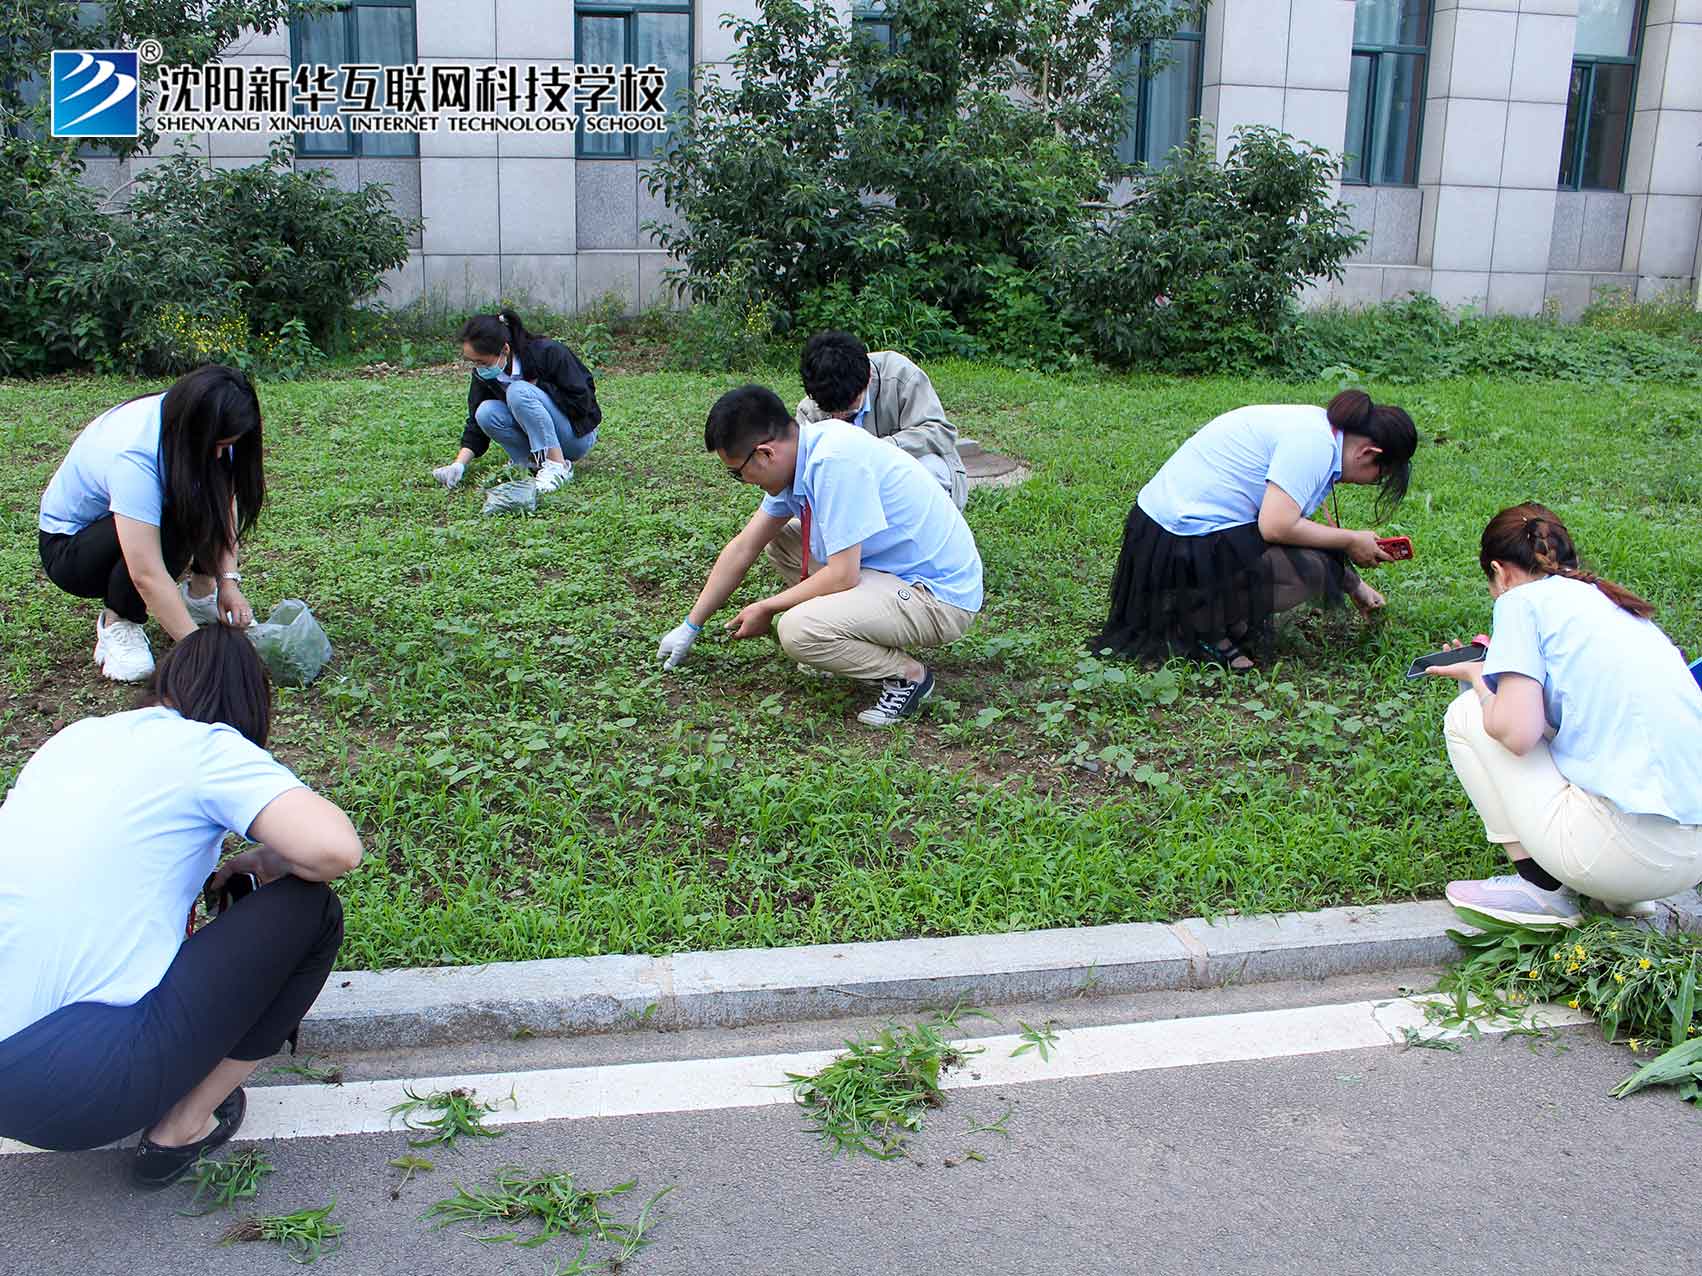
1222 537
1578 739
110 1020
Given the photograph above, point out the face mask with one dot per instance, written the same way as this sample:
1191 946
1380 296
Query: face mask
488 372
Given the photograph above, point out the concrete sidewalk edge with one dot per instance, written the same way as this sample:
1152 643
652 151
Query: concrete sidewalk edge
373 1010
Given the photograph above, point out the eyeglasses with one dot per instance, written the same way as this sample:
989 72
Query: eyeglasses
738 475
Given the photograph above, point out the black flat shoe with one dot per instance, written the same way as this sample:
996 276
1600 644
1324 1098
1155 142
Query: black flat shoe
156 1166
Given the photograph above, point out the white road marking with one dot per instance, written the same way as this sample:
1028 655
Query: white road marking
697 1085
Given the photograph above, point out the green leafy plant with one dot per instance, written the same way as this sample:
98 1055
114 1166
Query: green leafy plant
319 1071
1043 1040
457 1113
409 1165
558 1206
875 1095
219 1184
305 1235
1639 985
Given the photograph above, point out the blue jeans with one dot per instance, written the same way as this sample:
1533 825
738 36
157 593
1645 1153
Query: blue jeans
529 424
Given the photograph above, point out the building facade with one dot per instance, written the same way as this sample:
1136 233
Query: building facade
1502 154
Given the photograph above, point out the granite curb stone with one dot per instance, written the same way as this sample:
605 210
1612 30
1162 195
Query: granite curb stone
568 996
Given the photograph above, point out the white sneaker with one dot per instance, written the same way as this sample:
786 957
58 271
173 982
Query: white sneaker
122 651
552 474
450 475
203 611
1510 898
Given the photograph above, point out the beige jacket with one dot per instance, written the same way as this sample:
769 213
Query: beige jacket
904 409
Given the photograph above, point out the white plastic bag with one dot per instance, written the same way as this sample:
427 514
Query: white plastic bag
516 496
292 643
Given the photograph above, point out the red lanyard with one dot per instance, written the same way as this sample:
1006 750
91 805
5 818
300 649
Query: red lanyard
804 527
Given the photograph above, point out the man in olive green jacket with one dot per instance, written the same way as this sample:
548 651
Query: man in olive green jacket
887 395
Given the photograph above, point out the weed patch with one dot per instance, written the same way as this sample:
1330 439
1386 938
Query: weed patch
305 1236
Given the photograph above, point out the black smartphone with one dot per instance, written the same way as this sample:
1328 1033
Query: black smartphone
1459 656
235 887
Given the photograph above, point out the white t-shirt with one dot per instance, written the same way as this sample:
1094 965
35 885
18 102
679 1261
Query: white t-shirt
512 375
105 839
1216 480
1626 711
113 467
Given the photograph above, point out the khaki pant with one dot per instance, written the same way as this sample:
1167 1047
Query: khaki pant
1584 840
863 632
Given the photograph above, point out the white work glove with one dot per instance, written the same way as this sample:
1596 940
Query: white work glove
671 651
449 475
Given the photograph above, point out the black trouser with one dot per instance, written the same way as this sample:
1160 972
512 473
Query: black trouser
88 1073
90 564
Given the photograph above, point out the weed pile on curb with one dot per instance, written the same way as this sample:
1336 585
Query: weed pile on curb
304 1235
874 1096
459 1113
1639 985
560 1207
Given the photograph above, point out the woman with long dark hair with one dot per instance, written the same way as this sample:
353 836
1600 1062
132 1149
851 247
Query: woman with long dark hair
152 487
110 1020
532 395
1221 539
1578 738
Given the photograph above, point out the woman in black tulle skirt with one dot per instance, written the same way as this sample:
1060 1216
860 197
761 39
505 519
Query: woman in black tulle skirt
1221 539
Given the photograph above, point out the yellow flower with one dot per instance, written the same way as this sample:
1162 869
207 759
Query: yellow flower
1531 974
1579 950
1644 963
1573 1003
1619 979
1636 1044
1572 969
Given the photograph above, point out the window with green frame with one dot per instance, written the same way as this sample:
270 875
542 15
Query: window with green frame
1599 100
1385 92
1161 105
873 22
638 34
367 32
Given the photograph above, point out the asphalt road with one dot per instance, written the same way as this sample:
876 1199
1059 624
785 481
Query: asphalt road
1493 1158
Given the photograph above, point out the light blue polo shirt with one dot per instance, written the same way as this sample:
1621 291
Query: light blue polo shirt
863 491
1216 480
1626 712
113 467
105 839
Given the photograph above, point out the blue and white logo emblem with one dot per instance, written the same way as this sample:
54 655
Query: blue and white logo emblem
96 93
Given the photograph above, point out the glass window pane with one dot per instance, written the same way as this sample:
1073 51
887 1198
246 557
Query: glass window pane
1608 127
1129 73
322 40
1607 28
1354 166
1171 97
1395 112
602 42
1378 22
385 34
664 40
1574 118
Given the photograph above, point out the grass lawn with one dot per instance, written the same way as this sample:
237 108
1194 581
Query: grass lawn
529 784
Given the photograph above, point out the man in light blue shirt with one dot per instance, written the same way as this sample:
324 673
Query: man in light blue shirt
883 562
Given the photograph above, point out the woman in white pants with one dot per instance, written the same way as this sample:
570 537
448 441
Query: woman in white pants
1579 737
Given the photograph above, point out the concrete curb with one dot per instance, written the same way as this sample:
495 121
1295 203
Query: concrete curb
372 1010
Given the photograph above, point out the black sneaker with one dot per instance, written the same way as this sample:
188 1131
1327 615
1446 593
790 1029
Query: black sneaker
156 1166
899 700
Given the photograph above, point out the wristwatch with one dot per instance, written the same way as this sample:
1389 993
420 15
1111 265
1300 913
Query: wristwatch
236 576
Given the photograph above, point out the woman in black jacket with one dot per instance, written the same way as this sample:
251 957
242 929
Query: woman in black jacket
530 394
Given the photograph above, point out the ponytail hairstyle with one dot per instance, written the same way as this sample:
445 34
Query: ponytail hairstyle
203 407
1389 428
1533 537
489 333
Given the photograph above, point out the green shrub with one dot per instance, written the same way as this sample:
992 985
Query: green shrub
1200 269
260 266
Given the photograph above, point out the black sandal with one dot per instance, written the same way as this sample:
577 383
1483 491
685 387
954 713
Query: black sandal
1211 654
156 1166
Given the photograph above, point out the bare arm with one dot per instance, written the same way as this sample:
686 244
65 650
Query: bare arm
732 564
140 544
300 833
1282 523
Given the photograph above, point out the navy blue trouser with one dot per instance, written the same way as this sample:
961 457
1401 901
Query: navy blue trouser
88 1073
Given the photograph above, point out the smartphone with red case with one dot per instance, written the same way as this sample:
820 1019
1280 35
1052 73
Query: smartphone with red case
1398 548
